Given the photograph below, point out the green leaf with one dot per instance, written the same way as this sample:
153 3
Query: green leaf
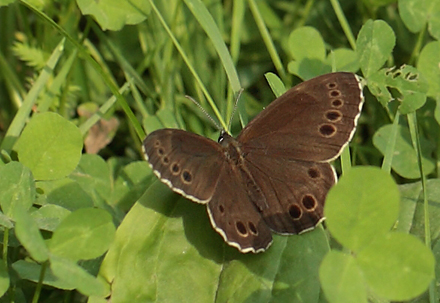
397 266
93 175
33 56
307 48
174 246
410 195
131 263
276 84
5 221
288 269
114 14
131 183
30 237
306 42
65 192
343 59
32 271
374 45
71 273
361 206
49 216
428 65
17 188
50 146
411 85
404 159
418 227
341 279
84 234
415 15
4 278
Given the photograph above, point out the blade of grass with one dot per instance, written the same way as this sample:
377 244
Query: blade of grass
344 24
208 24
268 41
413 128
25 110
389 152
84 128
189 65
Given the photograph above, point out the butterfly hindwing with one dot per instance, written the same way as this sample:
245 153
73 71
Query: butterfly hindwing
234 216
294 190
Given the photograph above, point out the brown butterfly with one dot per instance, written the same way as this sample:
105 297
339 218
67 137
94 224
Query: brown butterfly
274 177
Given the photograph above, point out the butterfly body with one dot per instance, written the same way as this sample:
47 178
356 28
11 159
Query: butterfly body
275 175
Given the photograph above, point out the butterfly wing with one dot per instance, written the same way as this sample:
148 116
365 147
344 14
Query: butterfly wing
196 167
234 216
312 121
188 163
294 190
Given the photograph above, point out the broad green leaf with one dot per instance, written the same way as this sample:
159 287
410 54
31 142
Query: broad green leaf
32 271
307 48
343 59
131 263
30 237
5 221
374 45
131 183
286 272
428 64
84 234
404 159
308 68
418 227
415 15
397 266
50 146
276 84
6 2
341 279
114 14
93 175
73 274
410 195
173 245
17 188
49 216
167 118
411 85
64 192
361 206
151 123
306 42
4 278
189 255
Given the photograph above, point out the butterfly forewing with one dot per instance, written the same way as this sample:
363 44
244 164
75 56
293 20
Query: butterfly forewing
188 163
312 121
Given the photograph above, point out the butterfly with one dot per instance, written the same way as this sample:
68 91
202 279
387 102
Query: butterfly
274 177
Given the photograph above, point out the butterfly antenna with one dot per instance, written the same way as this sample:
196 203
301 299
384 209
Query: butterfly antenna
204 111
235 107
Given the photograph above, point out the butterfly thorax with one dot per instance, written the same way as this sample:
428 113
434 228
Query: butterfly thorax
231 148
235 156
